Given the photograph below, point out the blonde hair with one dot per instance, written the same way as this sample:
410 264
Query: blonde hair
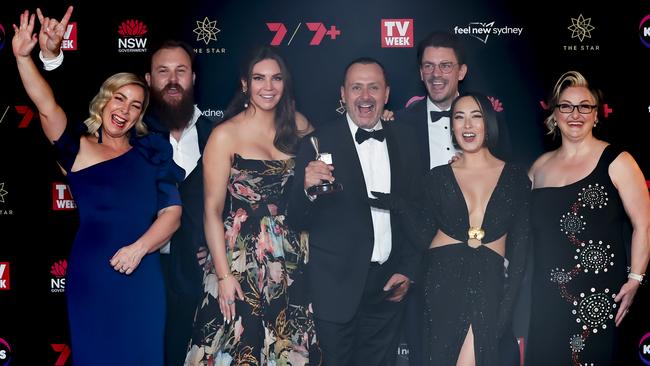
568 79
106 91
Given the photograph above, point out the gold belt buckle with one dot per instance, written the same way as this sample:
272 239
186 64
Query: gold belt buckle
476 233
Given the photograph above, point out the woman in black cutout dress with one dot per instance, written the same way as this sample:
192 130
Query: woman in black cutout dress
254 310
580 228
467 284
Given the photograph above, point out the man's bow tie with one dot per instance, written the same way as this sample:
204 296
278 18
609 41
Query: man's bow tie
362 135
436 115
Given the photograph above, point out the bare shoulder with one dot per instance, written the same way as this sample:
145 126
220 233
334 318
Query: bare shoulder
624 163
225 133
540 162
536 170
302 124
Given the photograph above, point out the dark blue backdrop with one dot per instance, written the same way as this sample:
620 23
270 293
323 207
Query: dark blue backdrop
321 38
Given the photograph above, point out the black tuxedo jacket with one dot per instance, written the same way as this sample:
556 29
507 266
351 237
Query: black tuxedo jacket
186 274
416 117
340 226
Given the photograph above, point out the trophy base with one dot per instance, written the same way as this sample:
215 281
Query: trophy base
324 188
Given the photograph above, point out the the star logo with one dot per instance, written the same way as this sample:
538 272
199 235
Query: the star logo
2 192
581 28
206 30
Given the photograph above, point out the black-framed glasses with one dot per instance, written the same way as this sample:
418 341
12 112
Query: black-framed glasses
445 67
582 108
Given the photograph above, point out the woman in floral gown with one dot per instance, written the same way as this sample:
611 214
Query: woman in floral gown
254 310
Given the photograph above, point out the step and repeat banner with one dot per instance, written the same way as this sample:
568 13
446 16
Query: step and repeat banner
515 53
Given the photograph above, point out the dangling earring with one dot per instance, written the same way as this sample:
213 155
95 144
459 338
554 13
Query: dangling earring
99 135
595 122
244 90
341 109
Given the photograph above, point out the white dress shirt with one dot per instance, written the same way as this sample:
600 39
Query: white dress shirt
186 149
186 152
375 164
441 149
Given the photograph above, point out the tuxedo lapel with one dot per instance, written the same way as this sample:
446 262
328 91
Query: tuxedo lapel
347 160
393 156
423 133
203 129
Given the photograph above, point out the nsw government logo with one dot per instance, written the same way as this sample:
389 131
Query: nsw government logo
58 271
132 37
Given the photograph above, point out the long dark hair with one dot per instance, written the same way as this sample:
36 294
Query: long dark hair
286 132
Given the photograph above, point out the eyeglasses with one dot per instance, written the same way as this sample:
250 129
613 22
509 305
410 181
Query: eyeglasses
582 108
445 67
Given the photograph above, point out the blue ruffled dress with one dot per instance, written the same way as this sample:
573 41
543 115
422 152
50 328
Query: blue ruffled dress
117 319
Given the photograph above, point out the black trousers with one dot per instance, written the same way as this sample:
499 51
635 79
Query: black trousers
371 337
179 319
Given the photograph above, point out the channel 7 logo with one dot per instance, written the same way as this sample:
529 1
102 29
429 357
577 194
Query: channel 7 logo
319 30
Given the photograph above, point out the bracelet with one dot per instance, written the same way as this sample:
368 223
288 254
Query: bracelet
224 277
636 276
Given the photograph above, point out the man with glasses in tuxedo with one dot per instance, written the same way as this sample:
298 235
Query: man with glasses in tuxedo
441 59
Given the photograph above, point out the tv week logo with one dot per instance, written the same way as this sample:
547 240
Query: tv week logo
62 198
69 42
396 33
5 283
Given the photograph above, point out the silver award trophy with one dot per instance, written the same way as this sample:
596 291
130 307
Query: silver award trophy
325 186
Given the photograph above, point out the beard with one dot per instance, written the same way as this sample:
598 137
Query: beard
174 116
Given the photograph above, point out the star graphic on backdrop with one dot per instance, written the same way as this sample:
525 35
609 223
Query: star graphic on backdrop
581 27
2 192
206 30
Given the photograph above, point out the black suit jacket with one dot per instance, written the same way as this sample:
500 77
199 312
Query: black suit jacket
416 117
340 226
186 274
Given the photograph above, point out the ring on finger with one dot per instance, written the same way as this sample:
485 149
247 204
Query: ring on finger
230 302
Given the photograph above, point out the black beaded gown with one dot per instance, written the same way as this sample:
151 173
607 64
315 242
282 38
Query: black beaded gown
580 233
475 287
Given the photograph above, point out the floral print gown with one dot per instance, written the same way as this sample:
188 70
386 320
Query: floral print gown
274 323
